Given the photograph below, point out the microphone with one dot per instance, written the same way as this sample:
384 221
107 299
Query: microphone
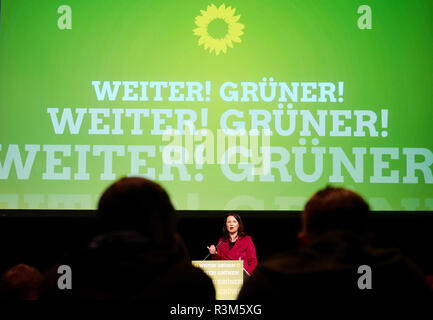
209 252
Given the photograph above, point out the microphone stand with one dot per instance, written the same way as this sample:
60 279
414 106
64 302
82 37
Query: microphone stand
209 252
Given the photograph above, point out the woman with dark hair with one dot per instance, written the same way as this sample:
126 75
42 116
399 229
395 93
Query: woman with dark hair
235 244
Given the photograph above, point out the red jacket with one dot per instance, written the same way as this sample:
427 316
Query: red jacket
242 250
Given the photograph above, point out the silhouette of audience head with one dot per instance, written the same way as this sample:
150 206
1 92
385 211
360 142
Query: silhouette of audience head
334 209
138 204
137 253
21 282
326 268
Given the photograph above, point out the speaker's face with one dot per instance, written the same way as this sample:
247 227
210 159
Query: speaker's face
232 224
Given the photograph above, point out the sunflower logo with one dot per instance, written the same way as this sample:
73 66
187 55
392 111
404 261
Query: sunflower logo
218 28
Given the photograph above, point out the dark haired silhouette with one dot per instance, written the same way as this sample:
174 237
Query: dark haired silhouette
137 254
21 282
334 244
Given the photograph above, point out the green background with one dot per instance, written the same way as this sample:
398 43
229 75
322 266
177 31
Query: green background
389 66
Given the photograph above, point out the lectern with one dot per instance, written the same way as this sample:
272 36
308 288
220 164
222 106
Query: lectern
227 276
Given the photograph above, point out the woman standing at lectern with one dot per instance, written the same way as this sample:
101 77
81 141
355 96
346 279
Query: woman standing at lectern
235 244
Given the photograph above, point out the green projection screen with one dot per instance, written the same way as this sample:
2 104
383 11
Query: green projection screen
230 105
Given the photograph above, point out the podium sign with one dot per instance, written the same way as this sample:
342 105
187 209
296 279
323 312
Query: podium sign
226 275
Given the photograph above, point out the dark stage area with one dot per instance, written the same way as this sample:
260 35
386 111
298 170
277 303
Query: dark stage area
40 238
